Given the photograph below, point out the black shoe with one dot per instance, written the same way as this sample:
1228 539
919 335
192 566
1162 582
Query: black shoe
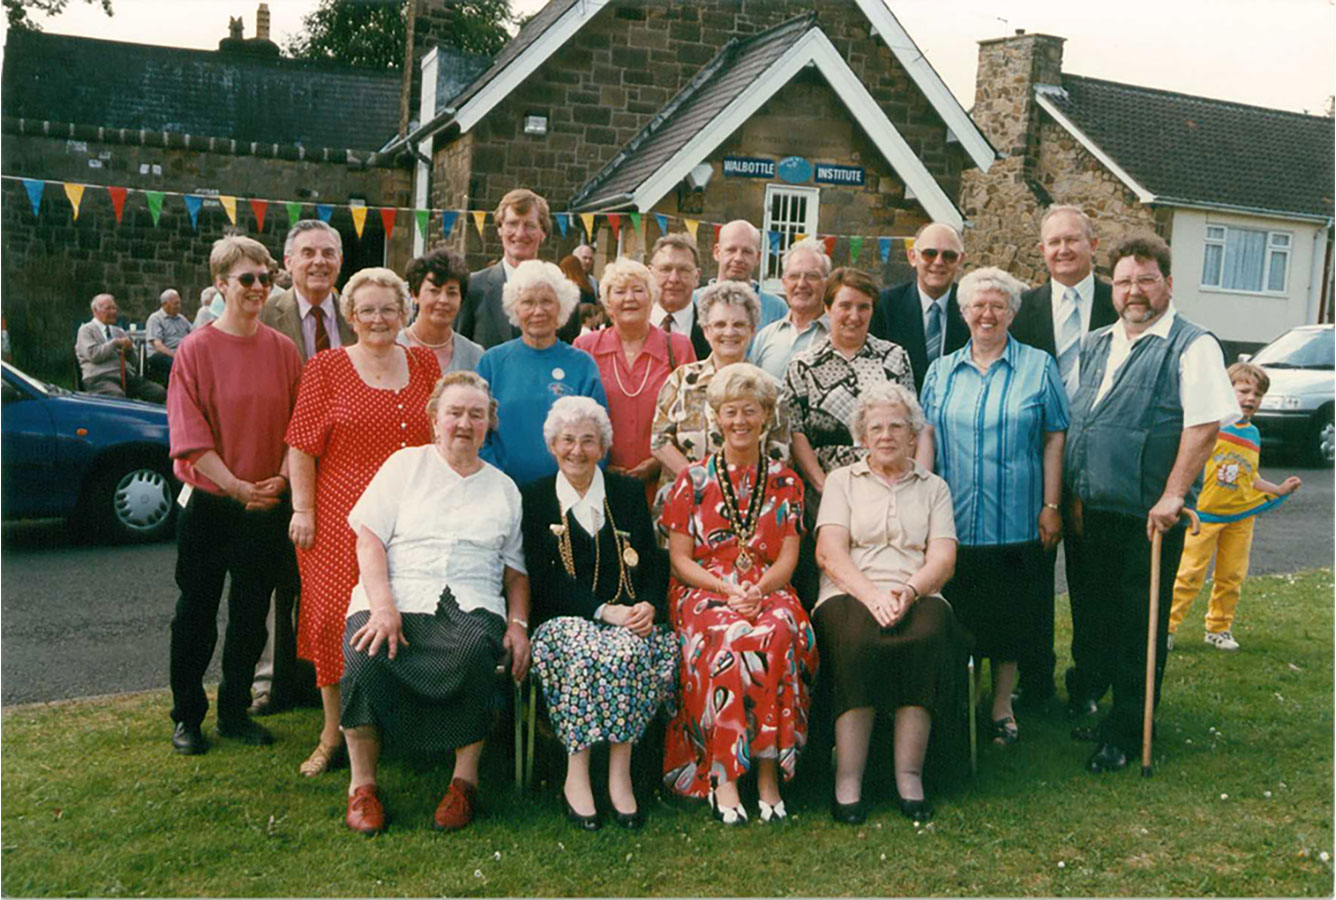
1078 705
848 813
1108 758
916 810
247 732
585 823
188 740
1086 733
630 821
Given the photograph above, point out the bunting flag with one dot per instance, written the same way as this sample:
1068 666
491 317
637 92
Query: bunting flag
717 228
855 248
884 243
117 202
692 225
637 225
359 218
800 236
229 207
663 222
193 205
258 207
448 221
35 187
588 220
323 211
479 217
615 220
294 213
909 244
830 241
773 237
387 214
421 216
155 205
75 194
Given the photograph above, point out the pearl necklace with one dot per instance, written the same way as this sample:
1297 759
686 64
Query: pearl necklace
417 337
616 372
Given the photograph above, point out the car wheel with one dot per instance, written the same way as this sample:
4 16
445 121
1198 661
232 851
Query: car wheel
1322 445
129 503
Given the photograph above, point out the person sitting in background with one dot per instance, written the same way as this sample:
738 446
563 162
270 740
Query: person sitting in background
102 348
166 329
210 307
438 283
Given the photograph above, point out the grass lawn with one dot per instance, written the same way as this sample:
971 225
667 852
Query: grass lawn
95 803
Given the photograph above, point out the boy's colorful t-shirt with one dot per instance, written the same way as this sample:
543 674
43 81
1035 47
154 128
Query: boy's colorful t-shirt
1227 492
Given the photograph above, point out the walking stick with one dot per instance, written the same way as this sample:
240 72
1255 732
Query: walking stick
1151 630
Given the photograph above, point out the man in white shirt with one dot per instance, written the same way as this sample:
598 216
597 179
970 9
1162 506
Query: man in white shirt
308 312
675 265
806 268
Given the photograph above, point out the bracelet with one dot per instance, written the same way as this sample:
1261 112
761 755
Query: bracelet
917 593
518 621
306 510
1052 506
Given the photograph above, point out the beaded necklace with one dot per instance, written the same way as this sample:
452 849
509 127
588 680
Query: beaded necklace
743 524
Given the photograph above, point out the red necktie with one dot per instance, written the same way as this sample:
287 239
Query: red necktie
321 335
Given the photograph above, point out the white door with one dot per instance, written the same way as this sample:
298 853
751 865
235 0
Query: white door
790 211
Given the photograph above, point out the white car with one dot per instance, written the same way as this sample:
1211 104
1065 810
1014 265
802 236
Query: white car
1297 412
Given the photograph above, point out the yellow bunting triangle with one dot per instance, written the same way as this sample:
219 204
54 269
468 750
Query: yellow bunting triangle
692 225
359 218
75 193
588 220
909 244
229 207
479 216
801 236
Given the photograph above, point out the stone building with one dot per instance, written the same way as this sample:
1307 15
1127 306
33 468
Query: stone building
1242 193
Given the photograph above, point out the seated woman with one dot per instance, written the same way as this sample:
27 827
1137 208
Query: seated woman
598 585
748 655
886 635
438 541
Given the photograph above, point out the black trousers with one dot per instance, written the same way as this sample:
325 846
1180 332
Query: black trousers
216 537
1037 659
1111 614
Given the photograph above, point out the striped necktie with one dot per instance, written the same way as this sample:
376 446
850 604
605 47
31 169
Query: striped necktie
1069 340
932 331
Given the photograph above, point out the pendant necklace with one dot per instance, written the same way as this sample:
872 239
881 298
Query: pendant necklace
743 525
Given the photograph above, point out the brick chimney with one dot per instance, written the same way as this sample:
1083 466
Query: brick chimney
1004 106
262 22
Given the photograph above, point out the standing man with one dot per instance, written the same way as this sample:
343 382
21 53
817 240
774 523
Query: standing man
1055 317
585 254
806 268
166 328
738 253
1152 397
675 263
523 222
922 315
102 347
308 312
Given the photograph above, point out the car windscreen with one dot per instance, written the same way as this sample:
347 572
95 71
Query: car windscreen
1299 350
40 387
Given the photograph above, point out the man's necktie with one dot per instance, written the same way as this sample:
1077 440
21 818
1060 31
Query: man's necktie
1069 340
321 335
667 323
107 329
932 332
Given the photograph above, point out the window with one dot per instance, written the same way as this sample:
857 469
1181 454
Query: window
1243 259
790 211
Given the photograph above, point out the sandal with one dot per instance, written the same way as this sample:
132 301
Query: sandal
322 758
1005 732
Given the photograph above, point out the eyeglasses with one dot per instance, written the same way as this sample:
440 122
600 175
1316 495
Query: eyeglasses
368 313
805 277
248 279
931 253
1145 282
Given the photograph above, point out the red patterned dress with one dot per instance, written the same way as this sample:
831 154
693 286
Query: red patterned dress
350 428
745 685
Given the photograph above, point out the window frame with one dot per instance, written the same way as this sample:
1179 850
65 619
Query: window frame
787 231
1272 248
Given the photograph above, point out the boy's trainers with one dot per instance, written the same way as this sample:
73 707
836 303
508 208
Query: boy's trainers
1222 640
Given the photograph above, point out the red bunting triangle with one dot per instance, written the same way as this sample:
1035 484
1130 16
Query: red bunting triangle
615 220
117 201
258 207
717 229
387 214
830 240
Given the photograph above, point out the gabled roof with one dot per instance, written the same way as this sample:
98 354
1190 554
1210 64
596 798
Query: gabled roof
533 29
1182 150
204 93
728 91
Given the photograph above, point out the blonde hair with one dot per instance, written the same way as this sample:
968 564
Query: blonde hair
1249 370
375 277
624 270
742 381
229 250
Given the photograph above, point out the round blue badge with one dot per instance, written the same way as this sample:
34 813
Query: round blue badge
794 169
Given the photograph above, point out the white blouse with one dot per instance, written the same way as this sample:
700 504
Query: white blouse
440 528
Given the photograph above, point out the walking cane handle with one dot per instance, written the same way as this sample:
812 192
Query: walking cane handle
1193 519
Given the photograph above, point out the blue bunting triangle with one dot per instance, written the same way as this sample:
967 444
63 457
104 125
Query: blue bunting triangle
884 244
774 241
193 205
448 221
35 187
563 222
324 211
663 222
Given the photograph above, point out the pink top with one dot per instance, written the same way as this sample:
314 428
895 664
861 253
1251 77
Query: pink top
233 395
633 394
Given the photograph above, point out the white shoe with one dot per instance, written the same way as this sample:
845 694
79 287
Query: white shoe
1169 645
775 813
1221 640
728 815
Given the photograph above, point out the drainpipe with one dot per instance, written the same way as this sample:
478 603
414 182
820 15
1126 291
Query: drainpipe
422 167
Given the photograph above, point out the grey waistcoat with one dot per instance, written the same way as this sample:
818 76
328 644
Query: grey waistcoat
1119 454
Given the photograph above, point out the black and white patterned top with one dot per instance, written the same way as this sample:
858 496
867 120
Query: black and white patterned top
821 387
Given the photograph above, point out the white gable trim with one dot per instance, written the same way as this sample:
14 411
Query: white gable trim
1047 105
958 122
813 48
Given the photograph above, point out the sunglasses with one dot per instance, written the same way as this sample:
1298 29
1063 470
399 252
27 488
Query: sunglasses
931 253
248 279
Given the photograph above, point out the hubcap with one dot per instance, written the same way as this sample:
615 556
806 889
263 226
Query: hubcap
142 500
1326 442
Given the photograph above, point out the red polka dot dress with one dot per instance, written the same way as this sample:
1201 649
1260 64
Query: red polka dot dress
350 428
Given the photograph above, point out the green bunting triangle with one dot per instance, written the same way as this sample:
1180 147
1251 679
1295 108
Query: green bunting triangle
422 216
155 204
294 212
635 223
855 247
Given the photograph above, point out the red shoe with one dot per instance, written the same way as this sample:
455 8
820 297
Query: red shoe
457 808
365 814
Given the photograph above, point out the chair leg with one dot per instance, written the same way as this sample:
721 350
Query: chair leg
519 737
533 729
974 729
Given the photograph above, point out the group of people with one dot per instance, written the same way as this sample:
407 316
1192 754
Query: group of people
693 510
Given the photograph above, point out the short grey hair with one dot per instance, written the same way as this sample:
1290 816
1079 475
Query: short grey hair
807 245
1061 208
990 279
97 300
742 381
206 296
570 411
534 273
375 277
311 225
729 293
889 393
165 295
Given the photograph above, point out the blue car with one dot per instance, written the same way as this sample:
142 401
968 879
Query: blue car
100 462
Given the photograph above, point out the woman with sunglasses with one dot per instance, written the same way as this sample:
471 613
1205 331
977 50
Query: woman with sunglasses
357 405
231 394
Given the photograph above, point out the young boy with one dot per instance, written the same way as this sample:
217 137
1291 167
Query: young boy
1232 494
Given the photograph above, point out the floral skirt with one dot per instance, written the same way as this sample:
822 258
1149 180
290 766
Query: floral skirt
602 682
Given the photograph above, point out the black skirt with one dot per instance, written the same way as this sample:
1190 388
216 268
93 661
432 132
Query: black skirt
436 694
997 593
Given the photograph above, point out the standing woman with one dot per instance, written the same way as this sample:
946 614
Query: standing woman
748 654
357 405
997 424
228 403
573 269
439 282
634 359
